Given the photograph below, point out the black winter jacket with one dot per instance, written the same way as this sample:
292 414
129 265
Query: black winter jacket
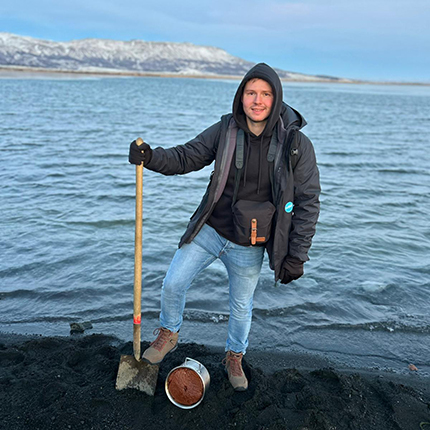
292 231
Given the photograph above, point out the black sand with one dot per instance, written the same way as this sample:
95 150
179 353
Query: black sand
69 383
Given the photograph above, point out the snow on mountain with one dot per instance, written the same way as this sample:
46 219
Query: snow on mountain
135 55
92 55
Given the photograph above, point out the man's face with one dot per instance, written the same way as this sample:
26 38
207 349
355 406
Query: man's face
257 100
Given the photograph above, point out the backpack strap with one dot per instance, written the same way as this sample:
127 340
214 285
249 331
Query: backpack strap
240 152
294 150
240 155
240 148
272 147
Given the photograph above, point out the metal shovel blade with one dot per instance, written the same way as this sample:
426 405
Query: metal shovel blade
136 374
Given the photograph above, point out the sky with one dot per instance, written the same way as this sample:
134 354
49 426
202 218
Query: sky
360 39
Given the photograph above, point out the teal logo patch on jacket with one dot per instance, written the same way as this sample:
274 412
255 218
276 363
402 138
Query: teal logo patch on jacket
289 207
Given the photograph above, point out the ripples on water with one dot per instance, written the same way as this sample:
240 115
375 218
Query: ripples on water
67 205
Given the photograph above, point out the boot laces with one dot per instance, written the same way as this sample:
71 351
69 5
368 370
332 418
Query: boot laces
233 361
163 336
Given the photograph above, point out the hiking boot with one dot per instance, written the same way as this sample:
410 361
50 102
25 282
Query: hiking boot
236 375
166 342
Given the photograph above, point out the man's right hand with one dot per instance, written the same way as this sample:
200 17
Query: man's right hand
140 153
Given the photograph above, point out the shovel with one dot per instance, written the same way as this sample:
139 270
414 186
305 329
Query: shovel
132 371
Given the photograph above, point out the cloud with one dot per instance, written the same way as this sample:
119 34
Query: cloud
242 19
286 32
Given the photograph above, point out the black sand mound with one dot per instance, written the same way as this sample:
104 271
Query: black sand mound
69 383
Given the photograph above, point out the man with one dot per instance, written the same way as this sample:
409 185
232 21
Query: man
263 194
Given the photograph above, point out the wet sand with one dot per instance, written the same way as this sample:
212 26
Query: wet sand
69 383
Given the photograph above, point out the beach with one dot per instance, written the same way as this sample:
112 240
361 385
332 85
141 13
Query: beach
69 383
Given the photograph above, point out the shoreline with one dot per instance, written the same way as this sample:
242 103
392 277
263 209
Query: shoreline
17 71
68 382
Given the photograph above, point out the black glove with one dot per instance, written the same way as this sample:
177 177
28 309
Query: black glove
291 269
140 153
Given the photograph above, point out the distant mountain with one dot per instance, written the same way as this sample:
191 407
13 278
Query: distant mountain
135 56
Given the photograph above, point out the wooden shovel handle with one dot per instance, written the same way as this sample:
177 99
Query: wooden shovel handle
137 301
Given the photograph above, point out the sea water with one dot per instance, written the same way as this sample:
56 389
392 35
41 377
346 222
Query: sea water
67 216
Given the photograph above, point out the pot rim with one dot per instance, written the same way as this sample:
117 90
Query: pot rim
184 365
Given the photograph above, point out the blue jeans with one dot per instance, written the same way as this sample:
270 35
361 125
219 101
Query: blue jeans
243 266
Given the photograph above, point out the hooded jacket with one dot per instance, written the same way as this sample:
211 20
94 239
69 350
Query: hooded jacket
292 230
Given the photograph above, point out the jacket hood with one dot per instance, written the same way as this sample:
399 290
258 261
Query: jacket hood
265 72
291 117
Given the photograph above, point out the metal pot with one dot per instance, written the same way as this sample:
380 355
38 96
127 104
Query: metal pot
200 371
